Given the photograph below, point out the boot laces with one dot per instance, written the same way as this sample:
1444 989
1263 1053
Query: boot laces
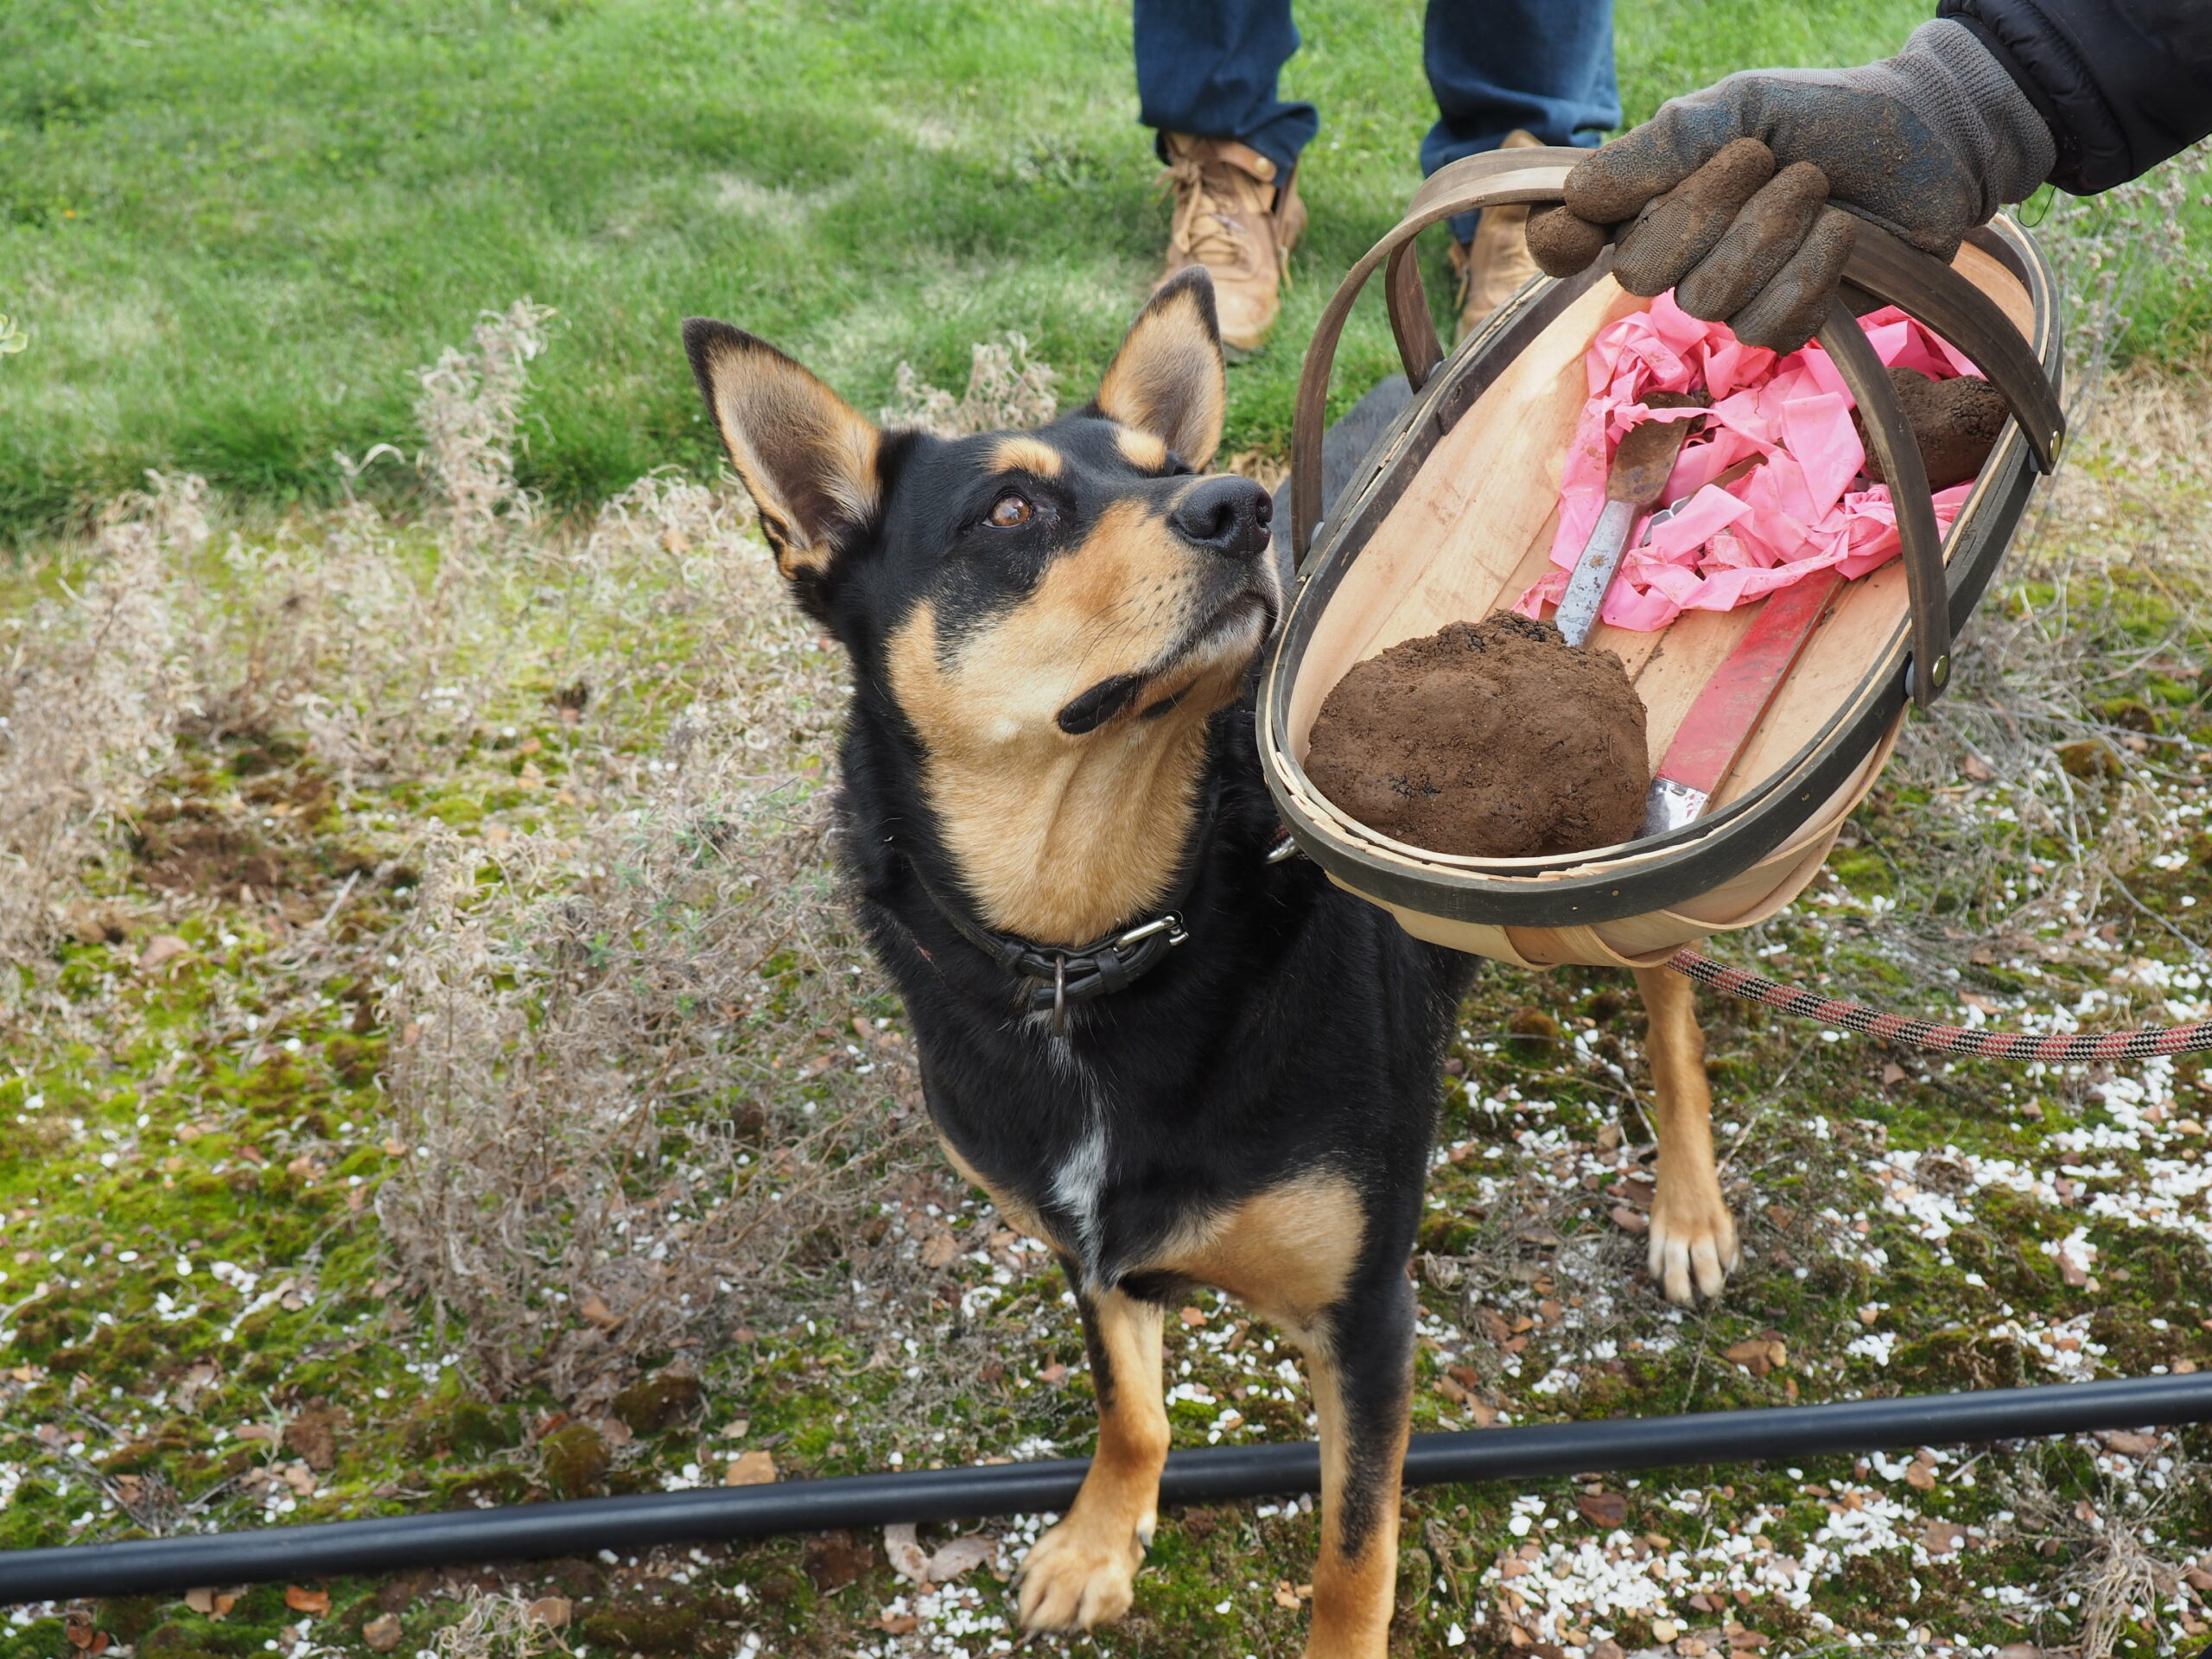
1215 234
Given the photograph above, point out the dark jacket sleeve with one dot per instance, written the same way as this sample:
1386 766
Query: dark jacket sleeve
2124 83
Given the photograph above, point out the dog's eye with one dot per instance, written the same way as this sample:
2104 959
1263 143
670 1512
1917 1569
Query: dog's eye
1010 512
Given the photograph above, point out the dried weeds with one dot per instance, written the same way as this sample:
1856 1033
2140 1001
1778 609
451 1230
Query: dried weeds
90 694
470 414
502 1627
1005 389
623 1070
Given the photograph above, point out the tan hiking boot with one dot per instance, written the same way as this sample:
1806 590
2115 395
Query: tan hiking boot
1492 269
1230 218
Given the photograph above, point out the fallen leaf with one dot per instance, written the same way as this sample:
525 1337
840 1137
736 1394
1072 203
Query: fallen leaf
1921 1474
551 1612
940 1250
1193 1316
2129 1442
1893 1073
1629 1221
1450 1391
1759 1354
1976 768
750 1468
2019 1650
960 1554
596 1311
162 948
382 1633
1285 1597
254 1431
907 1559
209 1603
1604 1509
1054 1373
898 1623
2197 1578
299 1477
302 1600
1748 1641
1942 1537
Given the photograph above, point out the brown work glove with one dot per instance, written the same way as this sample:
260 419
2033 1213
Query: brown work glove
1743 198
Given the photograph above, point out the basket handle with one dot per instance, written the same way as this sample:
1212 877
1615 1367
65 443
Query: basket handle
1924 288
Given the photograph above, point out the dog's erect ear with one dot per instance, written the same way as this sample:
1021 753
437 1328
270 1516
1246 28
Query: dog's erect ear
1168 378
806 457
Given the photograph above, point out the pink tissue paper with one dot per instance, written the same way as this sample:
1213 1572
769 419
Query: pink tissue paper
1786 519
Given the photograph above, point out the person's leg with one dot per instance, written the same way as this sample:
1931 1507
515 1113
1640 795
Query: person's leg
1544 66
1206 85
1512 72
1209 70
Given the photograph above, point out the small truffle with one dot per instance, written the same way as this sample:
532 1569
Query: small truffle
1954 422
1495 739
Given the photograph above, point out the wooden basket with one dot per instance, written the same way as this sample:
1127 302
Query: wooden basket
1452 516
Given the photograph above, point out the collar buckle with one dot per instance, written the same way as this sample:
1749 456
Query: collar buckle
1169 922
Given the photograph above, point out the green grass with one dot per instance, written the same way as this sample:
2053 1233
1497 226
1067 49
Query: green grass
232 230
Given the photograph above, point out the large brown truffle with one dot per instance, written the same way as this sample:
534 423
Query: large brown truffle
1954 424
1495 739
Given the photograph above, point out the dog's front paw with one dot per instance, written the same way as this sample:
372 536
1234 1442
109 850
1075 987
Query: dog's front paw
1693 1241
1079 1574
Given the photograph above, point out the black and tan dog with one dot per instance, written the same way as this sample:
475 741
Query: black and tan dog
1176 1061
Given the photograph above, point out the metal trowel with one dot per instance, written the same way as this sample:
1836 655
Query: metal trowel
1637 478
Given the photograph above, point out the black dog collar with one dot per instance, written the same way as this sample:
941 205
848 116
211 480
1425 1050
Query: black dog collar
1112 963
1059 977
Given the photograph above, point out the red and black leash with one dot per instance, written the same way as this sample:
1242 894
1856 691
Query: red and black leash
2076 1050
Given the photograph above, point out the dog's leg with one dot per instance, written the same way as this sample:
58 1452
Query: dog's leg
1693 1234
1083 1572
1361 1363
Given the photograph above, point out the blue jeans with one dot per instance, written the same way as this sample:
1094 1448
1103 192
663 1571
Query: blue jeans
1208 68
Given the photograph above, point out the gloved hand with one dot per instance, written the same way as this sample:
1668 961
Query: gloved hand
1927 145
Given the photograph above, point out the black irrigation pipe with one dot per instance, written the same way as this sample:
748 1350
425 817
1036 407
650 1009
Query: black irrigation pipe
540 1530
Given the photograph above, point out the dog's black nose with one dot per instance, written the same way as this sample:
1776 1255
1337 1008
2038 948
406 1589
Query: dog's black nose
1229 514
